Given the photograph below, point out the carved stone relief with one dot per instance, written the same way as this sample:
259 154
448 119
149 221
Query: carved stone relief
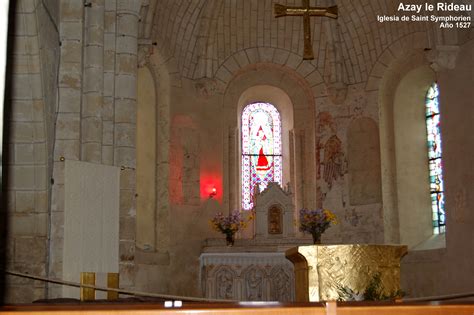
254 284
224 283
280 283
247 276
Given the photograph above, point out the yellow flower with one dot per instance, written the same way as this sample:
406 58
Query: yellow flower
331 216
251 216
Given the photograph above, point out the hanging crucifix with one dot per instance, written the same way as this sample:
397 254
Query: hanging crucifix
306 11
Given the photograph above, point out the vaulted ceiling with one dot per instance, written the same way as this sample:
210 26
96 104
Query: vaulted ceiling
201 34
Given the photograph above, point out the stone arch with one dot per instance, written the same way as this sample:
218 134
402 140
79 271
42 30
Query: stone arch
301 137
164 69
397 52
257 57
280 100
411 156
164 75
386 77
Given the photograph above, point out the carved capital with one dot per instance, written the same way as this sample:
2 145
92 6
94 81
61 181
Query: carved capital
207 87
443 57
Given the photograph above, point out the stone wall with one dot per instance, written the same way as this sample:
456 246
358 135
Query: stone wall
34 64
93 119
456 102
449 269
216 47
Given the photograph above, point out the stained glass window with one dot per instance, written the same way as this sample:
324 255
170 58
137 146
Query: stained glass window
434 159
261 150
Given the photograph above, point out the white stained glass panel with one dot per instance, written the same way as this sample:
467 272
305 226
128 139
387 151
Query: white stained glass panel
261 150
435 162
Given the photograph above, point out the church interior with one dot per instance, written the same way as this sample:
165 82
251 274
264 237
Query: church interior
129 124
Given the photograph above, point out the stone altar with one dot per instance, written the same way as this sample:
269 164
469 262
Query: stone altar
320 270
247 276
255 268
269 263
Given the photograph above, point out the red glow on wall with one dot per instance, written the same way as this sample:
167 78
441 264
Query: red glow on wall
211 185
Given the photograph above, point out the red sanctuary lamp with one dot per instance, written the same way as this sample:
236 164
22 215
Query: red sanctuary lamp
213 193
210 186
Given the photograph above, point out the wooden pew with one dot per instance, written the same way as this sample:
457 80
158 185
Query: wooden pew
343 308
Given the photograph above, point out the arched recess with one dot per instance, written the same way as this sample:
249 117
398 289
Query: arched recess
291 95
405 188
411 157
278 98
153 134
164 80
396 60
146 157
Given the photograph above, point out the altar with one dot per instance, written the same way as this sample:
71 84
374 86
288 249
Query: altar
308 273
275 264
346 272
255 268
247 277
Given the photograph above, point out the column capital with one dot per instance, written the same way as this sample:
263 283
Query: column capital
443 57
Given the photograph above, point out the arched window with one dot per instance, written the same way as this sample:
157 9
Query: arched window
261 149
435 160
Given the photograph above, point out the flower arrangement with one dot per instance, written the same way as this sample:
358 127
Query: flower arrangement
316 222
228 225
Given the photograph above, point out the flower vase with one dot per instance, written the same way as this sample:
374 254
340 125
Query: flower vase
229 238
316 238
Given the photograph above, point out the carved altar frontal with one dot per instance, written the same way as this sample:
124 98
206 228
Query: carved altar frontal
255 268
247 276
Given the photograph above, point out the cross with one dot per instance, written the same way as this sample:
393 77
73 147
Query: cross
306 11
